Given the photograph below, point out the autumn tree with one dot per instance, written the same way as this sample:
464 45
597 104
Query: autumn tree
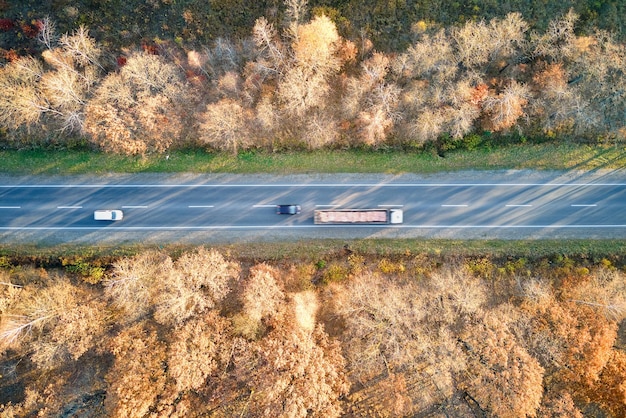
372 100
604 291
225 126
558 405
197 282
136 281
300 373
610 390
505 108
557 42
501 376
437 97
293 74
58 321
592 101
262 296
22 103
175 291
551 108
222 57
53 93
314 53
570 330
138 375
198 350
139 109
382 324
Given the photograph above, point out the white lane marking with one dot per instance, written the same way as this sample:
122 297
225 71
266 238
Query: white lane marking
404 226
200 206
583 206
327 206
454 206
69 207
10 207
135 207
518 206
264 206
390 206
121 186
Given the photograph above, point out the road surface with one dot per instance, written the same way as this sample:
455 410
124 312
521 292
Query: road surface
228 208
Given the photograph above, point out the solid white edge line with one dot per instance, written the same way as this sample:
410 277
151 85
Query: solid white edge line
31 186
404 226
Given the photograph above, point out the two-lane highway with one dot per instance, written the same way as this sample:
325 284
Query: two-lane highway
595 209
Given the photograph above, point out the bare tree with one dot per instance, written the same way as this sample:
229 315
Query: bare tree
262 296
479 44
224 125
605 290
198 282
557 43
372 101
136 282
47 33
320 129
295 11
196 351
22 103
76 68
272 55
58 321
504 109
141 109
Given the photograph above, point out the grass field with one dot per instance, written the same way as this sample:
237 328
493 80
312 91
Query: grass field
526 156
327 249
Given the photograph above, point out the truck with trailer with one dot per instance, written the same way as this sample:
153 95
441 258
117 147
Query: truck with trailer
378 216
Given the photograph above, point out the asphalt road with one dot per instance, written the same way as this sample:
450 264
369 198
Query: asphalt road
227 208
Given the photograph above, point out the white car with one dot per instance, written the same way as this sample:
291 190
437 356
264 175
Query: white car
108 215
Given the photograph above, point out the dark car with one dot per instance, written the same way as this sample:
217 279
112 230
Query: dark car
288 209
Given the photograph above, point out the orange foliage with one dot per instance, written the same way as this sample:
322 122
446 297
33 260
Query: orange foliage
610 391
478 94
551 81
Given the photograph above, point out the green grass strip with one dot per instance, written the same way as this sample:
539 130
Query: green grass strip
525 156
313 250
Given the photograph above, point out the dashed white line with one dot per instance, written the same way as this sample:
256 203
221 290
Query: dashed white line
235 227
200 206
10 207
327 206
390 206
135 207
518 206
69 207
454 206
584 206
263 206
